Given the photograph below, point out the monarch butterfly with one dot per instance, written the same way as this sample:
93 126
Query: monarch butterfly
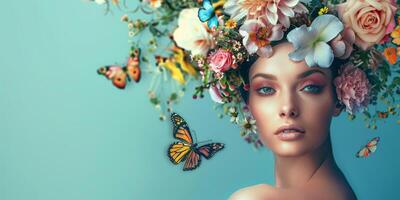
369 148
120 75
185 149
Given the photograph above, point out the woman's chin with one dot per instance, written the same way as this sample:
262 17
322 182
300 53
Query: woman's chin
289 149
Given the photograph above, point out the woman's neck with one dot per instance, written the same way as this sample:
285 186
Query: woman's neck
297 171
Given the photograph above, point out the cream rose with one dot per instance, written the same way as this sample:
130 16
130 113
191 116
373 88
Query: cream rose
371 20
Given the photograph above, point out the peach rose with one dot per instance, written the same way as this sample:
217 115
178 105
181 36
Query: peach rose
371 20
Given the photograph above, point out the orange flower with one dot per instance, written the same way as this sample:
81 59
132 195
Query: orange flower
390 55
396 35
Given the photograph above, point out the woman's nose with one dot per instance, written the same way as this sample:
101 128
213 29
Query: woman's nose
289 107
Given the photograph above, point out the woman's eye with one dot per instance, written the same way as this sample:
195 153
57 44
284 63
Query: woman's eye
265 91
315 89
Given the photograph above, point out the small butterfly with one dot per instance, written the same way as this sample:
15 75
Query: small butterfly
185 149
369 148
207 13
383 115
120 75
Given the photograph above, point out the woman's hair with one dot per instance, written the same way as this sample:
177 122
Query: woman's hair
246 65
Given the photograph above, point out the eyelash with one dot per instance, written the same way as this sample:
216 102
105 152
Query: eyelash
314 89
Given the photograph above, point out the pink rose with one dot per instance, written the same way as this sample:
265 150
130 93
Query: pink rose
371 20
352 88
342 45
221 60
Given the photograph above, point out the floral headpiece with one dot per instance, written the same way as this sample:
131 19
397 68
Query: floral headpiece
223 35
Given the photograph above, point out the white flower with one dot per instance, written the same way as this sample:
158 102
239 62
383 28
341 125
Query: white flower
192 34
310 43
100 2
258 34
249 126
234 115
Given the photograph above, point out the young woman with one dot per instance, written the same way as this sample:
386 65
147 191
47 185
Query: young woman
312 60
293 105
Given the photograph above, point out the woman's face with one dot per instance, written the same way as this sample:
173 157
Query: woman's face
291 97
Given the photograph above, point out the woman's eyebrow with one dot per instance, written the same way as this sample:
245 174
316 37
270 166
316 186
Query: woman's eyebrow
266 76
300 76
309 72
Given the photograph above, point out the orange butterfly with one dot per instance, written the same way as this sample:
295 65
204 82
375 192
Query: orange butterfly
120 75
383 115
185 149
369 148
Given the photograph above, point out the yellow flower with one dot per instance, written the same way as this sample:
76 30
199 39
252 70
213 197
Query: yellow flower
230 24
323 10
179 56
396 35
171 65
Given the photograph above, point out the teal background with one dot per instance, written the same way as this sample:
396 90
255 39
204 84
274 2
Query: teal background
67 133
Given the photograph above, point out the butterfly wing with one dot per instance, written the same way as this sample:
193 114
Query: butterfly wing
181 129
178 151
373 144
369 148
114 73
132 67
209 150
206 12
192 161
213 22
364 152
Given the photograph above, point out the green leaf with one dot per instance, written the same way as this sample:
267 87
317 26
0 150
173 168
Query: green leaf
173 96
367 114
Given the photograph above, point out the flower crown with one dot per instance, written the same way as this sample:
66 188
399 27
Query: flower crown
223 36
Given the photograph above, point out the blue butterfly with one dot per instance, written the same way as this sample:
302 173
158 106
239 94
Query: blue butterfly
207 13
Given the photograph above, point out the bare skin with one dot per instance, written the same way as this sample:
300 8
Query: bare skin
283 93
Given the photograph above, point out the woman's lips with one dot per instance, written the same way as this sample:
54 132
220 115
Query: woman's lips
290 132
290 136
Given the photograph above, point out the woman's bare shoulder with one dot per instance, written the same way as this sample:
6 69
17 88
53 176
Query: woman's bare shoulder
265 191
251 193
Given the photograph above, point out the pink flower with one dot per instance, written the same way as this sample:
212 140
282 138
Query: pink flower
221 60
342 45
371 20
215 94
258 34
274 10
352 88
